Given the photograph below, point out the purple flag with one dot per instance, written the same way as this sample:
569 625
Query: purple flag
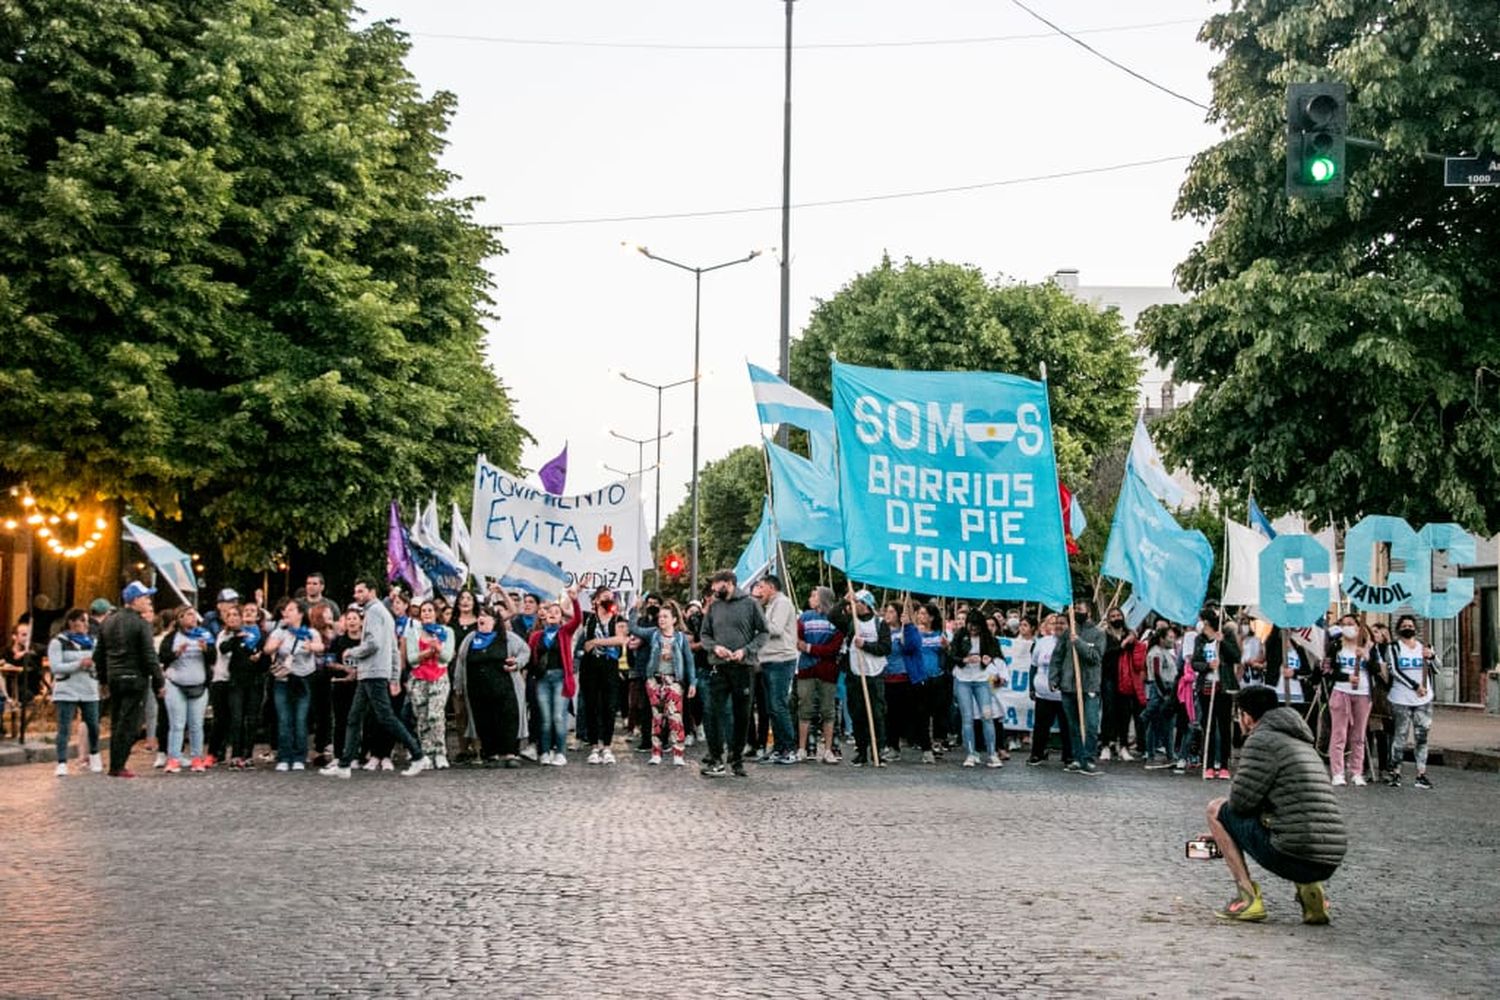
398 561
554 474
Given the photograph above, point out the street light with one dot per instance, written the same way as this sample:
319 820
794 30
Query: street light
697 273
660 388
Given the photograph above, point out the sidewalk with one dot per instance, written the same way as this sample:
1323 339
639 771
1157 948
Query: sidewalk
1465 738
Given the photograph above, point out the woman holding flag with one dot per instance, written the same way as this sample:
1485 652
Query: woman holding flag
552 654
186 654
292 647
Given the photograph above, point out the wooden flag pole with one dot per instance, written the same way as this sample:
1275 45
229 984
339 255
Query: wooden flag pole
1077 679
1208 726
864 684
1114 602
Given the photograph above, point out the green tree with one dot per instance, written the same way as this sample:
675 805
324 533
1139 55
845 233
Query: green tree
234 289
1347 350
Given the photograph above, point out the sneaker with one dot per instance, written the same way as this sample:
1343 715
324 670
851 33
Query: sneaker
1223 774
994 761
440 761
928 758
335 771
529 752
299 766
890 754
713 769
1422 782
197 766
1125 754
688 740
1179 767
1246 906
160 761
595 758
1072 767
546 759
829 757
655 759
1089 771
1034 761
1158 765
172 766
1359 781
1314 903
787 757
123 772
764 757
1104 754
386 764
417 767
608 756
559 759
96 763
283 766
62 770
738 770
860 760
1338 780
698 734
678 760
511 763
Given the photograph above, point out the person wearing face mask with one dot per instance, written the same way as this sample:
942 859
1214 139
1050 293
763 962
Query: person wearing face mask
869 646
1410 675
1216 664
734 630
1048 710
1088 645
1349 704
973 652
552 651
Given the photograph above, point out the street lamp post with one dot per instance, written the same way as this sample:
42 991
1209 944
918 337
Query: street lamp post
697 273
656 535
641 468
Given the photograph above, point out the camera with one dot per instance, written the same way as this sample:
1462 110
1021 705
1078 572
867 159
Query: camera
1203 849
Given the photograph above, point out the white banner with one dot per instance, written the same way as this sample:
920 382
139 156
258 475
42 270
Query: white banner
597 538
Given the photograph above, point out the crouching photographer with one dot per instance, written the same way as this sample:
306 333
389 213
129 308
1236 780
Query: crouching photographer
1281 811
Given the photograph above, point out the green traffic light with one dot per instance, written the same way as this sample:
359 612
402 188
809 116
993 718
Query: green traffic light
1321 170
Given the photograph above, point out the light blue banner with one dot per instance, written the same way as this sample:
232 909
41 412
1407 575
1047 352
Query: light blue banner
760 553
948 484
805 500
1166 565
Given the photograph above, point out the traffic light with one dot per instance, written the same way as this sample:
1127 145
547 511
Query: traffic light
1317 118
673 565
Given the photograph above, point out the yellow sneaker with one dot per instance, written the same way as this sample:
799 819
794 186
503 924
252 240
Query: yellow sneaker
1246 906
1314 902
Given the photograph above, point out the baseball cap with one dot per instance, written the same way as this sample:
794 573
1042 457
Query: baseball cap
100 607
865 597
134 589
228 596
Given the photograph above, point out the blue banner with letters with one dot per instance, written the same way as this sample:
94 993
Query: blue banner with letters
1166 565
948 484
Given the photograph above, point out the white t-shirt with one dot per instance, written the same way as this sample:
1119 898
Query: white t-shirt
1041 653
1211 661
860 662
1409 660
1347 661
1290 688
1251 649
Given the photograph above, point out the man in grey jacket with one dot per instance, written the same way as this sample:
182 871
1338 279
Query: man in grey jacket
1089 645
734 630
778 662
1281 810
377 678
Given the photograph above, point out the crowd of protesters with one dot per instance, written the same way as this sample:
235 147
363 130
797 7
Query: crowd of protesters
501 679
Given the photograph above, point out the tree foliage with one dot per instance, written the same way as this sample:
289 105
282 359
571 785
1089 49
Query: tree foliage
234 288
1347 349
939 316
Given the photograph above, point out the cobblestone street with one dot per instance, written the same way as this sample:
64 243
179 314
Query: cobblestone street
636 881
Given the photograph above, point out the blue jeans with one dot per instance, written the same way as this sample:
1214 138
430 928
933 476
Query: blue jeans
292 696
549 694
1085 737
778 680
1159 713
184 713
65 709
975 701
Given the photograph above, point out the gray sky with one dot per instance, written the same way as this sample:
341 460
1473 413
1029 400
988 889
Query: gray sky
554 132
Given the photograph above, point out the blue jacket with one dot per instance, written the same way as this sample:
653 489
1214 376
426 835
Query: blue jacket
923 661
684 654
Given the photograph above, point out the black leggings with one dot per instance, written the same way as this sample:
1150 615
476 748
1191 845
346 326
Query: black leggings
496 714
601 685
1045 714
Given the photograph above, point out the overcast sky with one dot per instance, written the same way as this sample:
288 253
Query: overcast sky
549 132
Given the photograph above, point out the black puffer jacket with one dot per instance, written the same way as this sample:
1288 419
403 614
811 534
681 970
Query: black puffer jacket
1282 780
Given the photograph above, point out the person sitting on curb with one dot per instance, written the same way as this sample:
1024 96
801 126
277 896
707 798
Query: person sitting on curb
1281 811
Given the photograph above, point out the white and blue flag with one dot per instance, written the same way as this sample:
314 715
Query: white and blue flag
805 500
174 564
1150 467
760 552
535 574
1166 565
777 402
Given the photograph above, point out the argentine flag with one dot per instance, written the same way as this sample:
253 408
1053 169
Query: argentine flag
777 402
535 574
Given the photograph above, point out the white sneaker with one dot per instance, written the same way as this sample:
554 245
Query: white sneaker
96 763
546 758
972 760
353 764
801 756
655 759
829 757
283 766
62 770
559 760
440 761
372 763
678 760
160 761
1338 779
386 764
608 756
417 767
334 771
529 752
1125 754
1359 781
994 761
299 766
688 740
595 758
1104 754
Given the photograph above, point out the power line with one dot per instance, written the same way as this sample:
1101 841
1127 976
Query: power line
1115 63
862 199
708 47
